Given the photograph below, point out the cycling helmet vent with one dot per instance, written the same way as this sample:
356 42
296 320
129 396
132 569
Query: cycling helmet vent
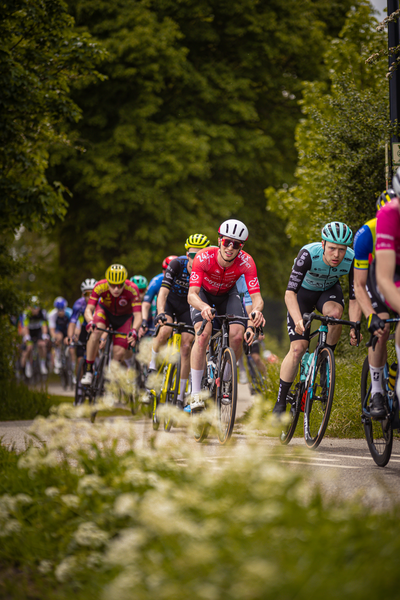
337 233
167 260
140 281
197 240
385 197
87 285
116 274
234 229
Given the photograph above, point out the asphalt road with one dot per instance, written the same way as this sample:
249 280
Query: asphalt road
343 467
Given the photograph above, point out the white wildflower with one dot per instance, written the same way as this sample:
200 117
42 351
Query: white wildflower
65 569
94 560
88 534
90 484
125 549
125 505
10 527
51 492
70 500
23 499
45 566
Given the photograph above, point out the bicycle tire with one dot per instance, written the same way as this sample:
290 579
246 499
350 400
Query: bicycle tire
97 386
172 391
80 395
318 407
226 403
379 434
258 381
293 399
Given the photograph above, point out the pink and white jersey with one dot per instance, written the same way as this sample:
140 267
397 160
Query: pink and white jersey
388 228
217 280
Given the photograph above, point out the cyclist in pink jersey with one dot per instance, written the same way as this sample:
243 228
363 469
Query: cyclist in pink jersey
213 285
113 301
387 253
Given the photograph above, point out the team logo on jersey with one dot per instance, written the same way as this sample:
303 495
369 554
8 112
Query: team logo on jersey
203 256
123 302
245 260
253 282
194 277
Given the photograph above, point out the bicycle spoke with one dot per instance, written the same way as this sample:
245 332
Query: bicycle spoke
319 399
227 396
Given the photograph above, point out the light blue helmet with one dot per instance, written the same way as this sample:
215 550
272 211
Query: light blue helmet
337 233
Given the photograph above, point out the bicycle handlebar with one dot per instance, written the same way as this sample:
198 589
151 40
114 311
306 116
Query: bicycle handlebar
373 340
223 317
179 326
309 317
109 331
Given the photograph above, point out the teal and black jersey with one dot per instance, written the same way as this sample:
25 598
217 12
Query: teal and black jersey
312 273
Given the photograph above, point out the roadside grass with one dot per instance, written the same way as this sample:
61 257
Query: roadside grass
98 512
19 402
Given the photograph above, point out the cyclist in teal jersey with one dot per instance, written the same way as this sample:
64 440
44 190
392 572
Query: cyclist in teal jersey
314 283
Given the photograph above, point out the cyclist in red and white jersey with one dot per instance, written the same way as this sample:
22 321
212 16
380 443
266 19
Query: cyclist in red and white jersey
387 253
113 301
212 284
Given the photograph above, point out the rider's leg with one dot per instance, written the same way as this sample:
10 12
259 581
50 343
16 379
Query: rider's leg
377 359
198 356
159 342
288 372
186 346
335 310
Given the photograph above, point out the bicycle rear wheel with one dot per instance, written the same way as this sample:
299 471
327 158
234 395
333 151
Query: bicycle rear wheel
227 396
172 391
319 399
379 434
293 400
258 380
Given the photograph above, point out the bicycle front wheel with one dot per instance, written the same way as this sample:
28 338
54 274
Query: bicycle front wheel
227 396
379 434
293 400
319 398
171 395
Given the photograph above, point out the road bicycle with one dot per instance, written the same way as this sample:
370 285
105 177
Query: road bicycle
379 433
141 372
66 371
219 381
257 380
313 390
169 373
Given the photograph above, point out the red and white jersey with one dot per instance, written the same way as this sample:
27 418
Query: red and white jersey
126 304
217 280
388 228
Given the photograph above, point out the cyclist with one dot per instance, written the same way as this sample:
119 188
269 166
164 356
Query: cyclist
149 304
371 304
387 252
314 283
255 346
78 310
113 301
172 301
58 324
142 284
34 330
213 279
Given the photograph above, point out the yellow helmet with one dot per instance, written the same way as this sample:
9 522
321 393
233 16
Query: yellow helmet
197 240
116 274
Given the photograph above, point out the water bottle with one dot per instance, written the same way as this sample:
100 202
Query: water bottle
210 370
304 365
392 375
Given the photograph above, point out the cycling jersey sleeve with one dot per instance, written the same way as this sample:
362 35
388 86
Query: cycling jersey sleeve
250 275
172 272
154 288
363 247
302 264
52 318
77 310
197 275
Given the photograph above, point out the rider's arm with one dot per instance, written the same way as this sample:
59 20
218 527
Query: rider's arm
89 312
385 270
161 299
364 301
257 306
302 264
294 309
195 301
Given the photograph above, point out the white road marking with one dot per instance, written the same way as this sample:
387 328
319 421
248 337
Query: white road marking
336 466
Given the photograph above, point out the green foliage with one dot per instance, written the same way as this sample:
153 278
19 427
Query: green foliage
196 116
18 402
96 513
341 138
41 56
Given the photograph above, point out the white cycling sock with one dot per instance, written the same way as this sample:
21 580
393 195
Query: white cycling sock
153 362
376 380
182 388
197 376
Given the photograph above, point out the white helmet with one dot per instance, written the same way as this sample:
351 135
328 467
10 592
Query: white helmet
88 284
396 182
234 229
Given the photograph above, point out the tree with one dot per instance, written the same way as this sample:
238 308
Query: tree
196 117
341 138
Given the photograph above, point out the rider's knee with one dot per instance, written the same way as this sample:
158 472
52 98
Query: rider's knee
202 340
185 350
335 312
297 352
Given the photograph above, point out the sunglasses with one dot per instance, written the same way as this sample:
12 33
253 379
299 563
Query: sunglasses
192 254
87 294
116 285
227 242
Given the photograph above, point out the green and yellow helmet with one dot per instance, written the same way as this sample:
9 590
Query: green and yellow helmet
116 274
197 240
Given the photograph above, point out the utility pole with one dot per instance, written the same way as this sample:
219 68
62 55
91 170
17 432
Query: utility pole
393 153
